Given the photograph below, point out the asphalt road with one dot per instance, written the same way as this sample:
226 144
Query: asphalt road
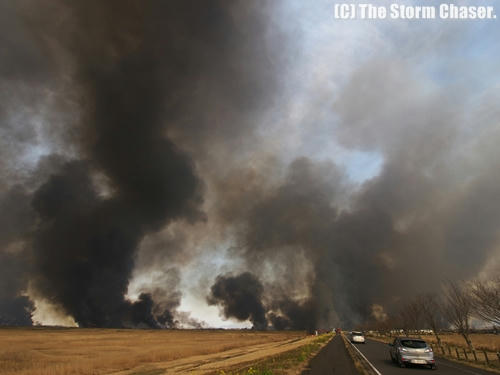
378 354
332 359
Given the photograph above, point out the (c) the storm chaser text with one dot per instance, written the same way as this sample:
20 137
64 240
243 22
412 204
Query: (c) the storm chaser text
400 11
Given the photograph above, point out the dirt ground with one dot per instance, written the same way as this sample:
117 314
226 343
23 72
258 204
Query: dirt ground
44 351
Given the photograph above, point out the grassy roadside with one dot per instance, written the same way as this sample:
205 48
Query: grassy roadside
291 362
493 367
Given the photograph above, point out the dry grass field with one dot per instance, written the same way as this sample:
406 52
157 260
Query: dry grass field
489 342
52 351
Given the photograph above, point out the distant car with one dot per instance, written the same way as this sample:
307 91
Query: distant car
338 331
357 337
406 350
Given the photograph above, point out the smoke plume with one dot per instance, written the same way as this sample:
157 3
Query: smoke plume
240 297
255 158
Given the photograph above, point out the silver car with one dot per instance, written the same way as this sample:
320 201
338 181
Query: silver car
406 350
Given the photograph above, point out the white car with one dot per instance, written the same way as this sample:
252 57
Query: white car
357 337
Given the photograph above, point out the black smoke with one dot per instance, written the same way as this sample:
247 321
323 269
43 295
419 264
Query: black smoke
85 243
293 315
137 136
240 297
15 309
124 79
16 219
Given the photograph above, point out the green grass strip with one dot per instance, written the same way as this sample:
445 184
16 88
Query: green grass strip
279 364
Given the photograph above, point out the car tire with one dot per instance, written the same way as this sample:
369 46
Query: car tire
400 363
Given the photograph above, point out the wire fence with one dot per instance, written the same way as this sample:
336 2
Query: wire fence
481 356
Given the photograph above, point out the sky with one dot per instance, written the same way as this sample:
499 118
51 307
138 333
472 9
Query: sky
241 164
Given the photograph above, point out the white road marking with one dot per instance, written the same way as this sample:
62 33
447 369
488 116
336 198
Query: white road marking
362 355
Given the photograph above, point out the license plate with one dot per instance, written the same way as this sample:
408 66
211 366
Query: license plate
419 361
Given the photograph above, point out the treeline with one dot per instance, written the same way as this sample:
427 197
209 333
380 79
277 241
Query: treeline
453 307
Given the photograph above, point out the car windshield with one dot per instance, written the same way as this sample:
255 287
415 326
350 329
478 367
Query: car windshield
357 334
415 344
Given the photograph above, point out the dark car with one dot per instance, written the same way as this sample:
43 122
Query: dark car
406 350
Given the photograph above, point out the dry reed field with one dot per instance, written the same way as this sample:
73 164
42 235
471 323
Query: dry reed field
55 351
489 342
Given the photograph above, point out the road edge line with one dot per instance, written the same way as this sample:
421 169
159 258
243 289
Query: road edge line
366 359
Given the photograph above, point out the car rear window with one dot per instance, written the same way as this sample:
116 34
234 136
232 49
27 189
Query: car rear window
357 334
416 344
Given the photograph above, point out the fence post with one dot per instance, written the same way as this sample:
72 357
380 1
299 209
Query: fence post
498 355
442 349
474 354
486 357
458 354
449 349
465 355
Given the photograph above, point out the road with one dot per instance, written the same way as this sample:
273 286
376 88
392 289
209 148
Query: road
378 354
332 359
